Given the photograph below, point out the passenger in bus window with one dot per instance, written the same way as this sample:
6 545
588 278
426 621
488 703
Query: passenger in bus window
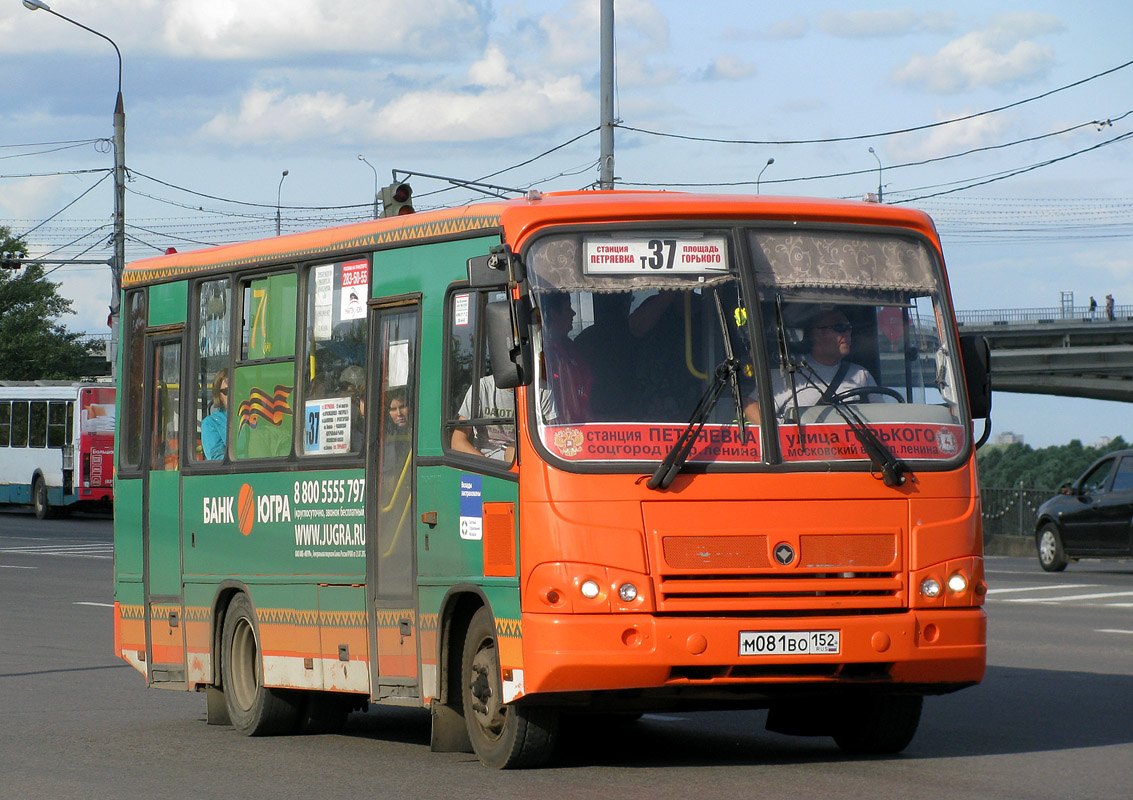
395 450
496 440
826 371
214 427
568 373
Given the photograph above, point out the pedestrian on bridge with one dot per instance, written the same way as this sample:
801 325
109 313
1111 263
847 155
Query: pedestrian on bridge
1109 307
1093 307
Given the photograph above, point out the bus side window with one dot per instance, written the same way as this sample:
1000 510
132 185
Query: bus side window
57 423
211 393
5 423
334 353
480 418
132 382
262 387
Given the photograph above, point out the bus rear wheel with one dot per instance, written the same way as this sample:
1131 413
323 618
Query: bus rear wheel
877 724
253 709
503 736
43 507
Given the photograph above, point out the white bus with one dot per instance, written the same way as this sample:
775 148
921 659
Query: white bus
56 445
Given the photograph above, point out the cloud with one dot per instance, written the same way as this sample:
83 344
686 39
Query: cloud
571 38
727 68
31 198
948 139
1001 54
270 115
485 108
874 24
259 29
794 27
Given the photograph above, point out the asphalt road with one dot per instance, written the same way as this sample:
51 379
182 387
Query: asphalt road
1053 718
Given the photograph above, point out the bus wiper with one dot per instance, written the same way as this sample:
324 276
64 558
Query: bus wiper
726 372
789 366
892 468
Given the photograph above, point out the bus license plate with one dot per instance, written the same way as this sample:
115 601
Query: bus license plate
790 643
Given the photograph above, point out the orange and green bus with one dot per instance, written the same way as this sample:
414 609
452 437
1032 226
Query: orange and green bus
584 455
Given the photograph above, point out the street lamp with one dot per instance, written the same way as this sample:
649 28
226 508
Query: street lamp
770 161
119 147
377 206
880 199
278 194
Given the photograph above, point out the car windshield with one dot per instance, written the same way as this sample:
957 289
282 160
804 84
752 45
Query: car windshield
640 334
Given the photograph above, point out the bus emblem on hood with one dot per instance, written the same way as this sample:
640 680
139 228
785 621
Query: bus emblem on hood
784 553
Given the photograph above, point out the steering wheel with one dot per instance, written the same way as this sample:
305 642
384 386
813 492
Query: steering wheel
863 391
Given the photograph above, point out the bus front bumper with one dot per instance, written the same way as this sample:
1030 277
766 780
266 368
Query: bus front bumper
934 650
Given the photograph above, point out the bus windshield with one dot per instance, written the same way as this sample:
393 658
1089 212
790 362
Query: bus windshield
844 339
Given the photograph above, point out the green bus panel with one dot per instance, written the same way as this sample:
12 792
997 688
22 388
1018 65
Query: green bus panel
448 555
128 529
164 532
251 526
168 303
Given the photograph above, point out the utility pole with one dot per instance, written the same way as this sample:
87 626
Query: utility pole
606 158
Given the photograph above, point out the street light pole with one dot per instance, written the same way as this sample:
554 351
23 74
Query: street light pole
880 198
770 161
119 146
278 194
377 207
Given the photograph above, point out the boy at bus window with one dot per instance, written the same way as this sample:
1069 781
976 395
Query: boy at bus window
827 372
214 427
495 440
568 373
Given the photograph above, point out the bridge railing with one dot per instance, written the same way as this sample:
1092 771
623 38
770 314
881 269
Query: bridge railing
1012 511
1009 316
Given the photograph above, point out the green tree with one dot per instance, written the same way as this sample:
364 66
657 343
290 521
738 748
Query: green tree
33 343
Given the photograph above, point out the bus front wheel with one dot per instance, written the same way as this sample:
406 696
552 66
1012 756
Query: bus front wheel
43 507
253 709
503 736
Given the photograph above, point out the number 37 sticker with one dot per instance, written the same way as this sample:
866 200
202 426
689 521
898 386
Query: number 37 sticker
635 256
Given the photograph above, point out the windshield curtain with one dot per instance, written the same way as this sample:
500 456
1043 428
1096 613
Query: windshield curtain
856 319
631 327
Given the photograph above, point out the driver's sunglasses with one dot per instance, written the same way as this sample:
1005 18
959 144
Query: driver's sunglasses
838 327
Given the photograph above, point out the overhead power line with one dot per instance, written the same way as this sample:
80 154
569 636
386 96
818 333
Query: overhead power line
880 134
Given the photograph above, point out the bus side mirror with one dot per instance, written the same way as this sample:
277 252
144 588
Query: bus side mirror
495 269
509 343
976 355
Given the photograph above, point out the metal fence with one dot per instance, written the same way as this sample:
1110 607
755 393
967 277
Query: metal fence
1012 511
1066 314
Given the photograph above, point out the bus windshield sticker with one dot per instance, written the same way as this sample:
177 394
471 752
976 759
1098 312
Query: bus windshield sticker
460 307
397 363
656 255
326 425
355 290
324 302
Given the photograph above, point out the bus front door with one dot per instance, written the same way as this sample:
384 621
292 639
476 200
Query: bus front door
161 536
390 480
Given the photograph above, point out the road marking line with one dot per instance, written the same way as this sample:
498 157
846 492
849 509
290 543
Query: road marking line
1112 630
13 566
87 603
1067 597
1040 588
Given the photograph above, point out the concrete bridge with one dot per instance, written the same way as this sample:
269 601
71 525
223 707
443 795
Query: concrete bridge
1062 351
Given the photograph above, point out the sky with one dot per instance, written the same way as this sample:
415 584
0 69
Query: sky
1003 120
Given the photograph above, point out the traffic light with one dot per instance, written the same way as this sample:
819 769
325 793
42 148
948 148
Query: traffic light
11 260
397 199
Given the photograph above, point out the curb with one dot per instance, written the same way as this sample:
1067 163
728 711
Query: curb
1002 545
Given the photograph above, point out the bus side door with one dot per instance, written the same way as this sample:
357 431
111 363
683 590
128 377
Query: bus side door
161 534
391 562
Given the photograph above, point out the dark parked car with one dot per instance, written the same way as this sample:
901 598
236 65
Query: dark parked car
1091 517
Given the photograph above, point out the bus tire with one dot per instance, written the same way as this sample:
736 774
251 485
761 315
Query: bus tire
877 724
43 507
503 736
253 709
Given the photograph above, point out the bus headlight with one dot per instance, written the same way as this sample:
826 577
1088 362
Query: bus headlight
627 592
930 587
957 583
589 589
